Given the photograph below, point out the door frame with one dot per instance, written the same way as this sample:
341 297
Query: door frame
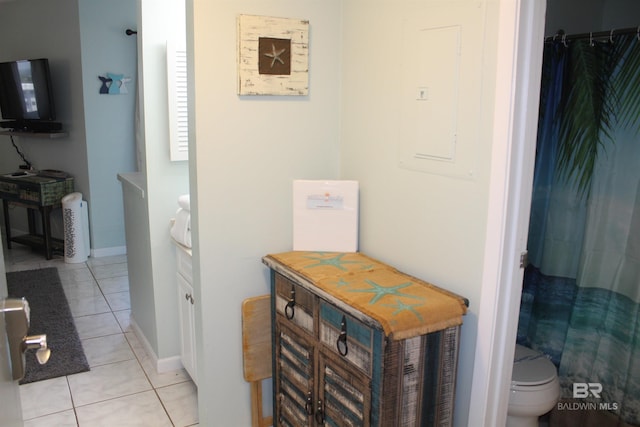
519 69
10 404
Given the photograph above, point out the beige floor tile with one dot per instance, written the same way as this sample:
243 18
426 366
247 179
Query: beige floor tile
157 379
80 274
107 349
115 259
108 382
118 301
111 285
118 390
45 397
181 402
124 319
97 325
104 271
140 409
60 419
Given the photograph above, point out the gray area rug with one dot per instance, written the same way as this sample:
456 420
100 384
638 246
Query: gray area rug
50 314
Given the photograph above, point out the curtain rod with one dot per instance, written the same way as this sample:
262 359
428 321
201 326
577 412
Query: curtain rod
561 36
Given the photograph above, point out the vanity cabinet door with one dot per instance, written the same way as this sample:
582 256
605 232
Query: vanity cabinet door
187 327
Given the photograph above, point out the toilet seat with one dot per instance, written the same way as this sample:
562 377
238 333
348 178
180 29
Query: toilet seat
535 388
531 368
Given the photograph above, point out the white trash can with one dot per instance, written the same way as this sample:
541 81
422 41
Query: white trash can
75 217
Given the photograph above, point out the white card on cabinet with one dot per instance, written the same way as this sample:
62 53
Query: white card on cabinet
325 216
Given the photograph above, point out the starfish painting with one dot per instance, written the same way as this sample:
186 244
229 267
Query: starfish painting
275 55
341 283
380 291
335 261
402 307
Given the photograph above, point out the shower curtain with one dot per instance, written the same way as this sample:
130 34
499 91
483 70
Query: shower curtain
581 294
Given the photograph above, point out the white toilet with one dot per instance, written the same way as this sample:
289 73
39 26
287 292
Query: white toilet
535 388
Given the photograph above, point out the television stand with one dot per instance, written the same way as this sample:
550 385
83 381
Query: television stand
32 125
40 135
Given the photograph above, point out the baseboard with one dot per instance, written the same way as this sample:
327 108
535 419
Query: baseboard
102 252
94 253
166 364
169 364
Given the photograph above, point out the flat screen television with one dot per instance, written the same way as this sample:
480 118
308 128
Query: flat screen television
26 96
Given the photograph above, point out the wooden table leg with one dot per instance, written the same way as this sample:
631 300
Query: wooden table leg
45 212
31 220
7 223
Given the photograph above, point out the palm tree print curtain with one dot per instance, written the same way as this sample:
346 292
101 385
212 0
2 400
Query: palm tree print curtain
581 294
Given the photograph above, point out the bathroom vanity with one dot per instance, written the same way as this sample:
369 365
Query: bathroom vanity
186 311
358 343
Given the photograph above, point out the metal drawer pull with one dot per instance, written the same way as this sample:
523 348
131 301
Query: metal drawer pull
319 413
308 406
341 343
188 297
289 310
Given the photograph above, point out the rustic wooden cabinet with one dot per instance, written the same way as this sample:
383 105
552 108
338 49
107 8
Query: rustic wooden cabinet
357 343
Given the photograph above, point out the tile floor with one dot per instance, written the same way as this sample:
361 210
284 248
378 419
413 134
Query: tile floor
122 388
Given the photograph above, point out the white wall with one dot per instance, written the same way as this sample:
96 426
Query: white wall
247 151
164 181
431 225
109 118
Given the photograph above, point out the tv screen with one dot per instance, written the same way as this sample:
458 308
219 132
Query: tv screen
26 91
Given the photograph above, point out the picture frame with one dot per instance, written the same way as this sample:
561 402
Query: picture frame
273 56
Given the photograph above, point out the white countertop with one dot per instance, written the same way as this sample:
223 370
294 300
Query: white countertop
134 181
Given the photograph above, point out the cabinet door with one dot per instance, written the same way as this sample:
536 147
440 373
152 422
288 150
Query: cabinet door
187 327
294 383
345 393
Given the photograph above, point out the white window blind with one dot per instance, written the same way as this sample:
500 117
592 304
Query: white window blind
178 107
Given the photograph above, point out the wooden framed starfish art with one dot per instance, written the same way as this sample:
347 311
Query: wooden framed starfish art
273 56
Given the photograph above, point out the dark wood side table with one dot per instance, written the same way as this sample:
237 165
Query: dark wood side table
34 192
